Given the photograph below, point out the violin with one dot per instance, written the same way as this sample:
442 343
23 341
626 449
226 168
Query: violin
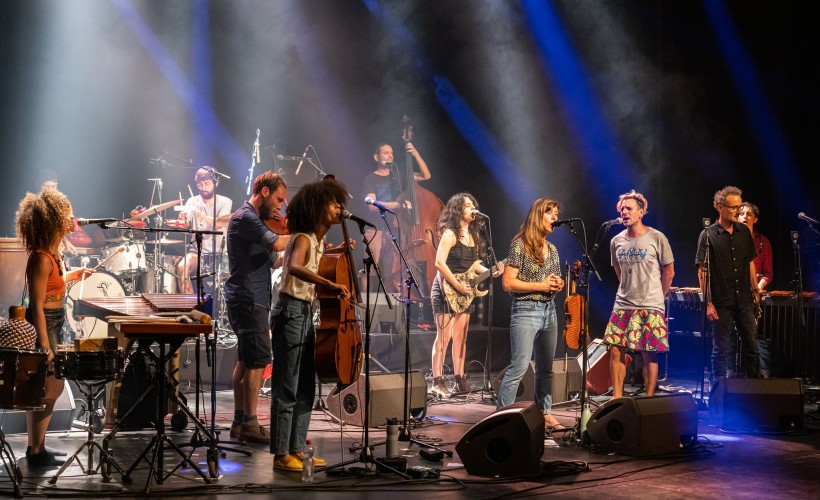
277 224
574 309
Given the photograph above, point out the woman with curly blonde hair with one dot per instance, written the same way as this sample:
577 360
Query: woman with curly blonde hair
42 221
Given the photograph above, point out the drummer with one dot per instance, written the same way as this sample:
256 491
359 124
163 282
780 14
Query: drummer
42 221
199 211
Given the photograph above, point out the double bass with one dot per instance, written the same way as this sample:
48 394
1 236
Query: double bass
418 223
338 353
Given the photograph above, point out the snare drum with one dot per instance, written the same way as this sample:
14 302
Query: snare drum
23 379
130 261
99 284
96 365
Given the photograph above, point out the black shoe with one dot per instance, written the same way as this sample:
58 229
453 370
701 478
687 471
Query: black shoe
43 459
49 450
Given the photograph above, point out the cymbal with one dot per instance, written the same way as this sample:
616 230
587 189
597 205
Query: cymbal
156 208
163 241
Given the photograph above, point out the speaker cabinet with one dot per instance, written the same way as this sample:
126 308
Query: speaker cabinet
386 399
509 442
756 403
645 426
566 381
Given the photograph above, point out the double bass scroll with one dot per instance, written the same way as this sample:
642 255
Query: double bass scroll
418 224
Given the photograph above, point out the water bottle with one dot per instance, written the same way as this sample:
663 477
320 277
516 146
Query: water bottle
307 463
392 448
707 386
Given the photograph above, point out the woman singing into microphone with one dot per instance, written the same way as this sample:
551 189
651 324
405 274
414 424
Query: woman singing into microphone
459 247
533 277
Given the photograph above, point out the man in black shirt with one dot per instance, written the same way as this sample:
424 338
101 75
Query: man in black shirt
732 277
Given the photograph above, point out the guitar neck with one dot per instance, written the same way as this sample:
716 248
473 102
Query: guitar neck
486 274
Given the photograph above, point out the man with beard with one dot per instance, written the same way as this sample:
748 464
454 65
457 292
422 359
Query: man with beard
199 212
251 250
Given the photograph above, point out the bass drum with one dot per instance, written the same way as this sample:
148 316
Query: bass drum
98 285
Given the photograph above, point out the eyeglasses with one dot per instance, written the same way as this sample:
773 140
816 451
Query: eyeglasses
732 209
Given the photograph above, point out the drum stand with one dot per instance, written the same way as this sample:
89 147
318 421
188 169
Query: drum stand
10 463
91 391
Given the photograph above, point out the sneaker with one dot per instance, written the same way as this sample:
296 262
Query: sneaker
43 459
235 430
254 433
462 386
439 388
49 450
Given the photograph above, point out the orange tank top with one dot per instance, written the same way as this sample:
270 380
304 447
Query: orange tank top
55 287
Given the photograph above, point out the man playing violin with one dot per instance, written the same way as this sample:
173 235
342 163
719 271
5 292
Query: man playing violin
312 211
251 249
382 185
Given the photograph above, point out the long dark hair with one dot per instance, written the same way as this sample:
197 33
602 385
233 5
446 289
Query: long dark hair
451 215
308 207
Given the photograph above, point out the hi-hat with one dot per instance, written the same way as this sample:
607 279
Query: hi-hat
156 208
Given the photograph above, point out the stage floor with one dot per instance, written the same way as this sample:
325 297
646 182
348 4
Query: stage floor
723 465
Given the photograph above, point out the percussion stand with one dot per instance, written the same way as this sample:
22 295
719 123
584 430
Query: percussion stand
92 391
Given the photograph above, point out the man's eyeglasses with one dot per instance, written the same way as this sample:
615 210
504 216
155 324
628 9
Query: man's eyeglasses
732 209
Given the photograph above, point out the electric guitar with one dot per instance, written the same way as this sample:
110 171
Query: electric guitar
460 302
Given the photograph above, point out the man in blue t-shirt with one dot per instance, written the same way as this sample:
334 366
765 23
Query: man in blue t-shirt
251 251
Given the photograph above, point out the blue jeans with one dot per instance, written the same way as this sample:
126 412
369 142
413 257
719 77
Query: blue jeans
533 331
293 377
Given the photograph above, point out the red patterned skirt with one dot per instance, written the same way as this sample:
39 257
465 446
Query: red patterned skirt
638 329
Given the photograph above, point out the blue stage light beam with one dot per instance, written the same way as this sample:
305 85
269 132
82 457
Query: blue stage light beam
197 104
481 140
762 120
201 70
610 166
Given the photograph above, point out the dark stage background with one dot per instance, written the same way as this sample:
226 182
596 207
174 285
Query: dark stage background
575 100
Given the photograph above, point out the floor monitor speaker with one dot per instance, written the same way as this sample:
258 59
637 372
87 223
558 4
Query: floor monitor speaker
757 403
643 426
509 442
386 399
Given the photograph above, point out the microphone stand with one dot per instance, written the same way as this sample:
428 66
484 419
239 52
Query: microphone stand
707 297
492 260
366 455
410 283
588 267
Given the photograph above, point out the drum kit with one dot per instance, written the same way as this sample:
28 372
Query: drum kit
132 262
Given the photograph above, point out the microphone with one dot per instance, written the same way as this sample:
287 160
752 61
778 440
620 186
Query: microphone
806 218
370 201
304 155
389 164
613 221
257 157
361 222
565 221
479 214
101 222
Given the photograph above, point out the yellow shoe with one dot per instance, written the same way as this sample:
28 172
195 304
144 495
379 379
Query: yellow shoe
288 463
317 462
